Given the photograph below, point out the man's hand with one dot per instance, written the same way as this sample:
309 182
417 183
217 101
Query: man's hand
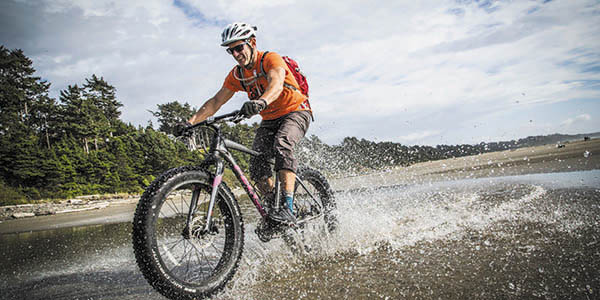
180 128
253 107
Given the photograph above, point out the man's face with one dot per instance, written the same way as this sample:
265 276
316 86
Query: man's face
240 51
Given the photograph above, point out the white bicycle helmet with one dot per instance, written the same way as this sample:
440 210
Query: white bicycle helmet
237 32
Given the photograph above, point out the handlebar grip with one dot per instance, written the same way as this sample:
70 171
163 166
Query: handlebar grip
235 116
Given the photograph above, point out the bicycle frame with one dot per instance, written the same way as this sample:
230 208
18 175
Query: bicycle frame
218 154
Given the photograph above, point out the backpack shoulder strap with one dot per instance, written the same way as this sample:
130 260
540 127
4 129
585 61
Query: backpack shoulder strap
240 72
262 68
241 76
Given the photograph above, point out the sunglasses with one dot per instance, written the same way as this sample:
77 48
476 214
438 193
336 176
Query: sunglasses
237 48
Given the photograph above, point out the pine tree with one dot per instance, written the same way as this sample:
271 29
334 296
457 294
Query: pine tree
24 103
102 95
81 117
169 114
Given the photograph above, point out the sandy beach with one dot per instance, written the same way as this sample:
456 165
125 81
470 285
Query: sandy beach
575 156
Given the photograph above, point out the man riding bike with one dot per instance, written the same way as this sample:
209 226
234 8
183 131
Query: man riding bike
275 95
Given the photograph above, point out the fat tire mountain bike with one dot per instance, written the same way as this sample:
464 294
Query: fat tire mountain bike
188 230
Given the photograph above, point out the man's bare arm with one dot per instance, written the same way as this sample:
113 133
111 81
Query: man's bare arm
275 76
212 105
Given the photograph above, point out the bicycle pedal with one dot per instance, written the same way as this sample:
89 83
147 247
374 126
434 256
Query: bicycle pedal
263 236
269 229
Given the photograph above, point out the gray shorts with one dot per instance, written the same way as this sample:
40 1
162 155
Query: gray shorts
277 139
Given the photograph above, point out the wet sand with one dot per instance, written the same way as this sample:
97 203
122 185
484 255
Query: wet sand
531 160
518 257
114 213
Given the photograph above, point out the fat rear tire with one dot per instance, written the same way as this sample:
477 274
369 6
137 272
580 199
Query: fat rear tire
325 194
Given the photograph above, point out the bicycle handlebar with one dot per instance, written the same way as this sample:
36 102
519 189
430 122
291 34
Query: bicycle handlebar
234 116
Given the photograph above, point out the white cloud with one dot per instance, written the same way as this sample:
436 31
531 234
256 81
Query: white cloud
417 136
577 119
379 71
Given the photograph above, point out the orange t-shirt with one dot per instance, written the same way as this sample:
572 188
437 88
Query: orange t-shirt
288 101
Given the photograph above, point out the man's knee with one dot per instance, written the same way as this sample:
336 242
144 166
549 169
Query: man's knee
286 163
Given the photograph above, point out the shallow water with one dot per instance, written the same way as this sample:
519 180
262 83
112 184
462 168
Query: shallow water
532 236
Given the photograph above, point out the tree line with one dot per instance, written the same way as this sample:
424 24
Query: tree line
74 145
78 145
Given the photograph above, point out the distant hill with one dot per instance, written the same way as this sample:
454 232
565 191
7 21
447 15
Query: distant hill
356 156
554 138
539 140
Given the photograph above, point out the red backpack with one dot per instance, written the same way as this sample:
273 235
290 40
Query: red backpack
294 68
300 78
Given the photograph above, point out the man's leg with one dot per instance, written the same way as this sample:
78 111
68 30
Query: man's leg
289 179
260 168
292 129
265 185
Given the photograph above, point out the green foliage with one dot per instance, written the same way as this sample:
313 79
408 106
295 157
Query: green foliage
10 195
102 95
77 145
169 114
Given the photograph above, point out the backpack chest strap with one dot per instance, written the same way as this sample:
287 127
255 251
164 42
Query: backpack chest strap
241 73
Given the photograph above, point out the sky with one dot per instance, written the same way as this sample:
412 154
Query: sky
422 72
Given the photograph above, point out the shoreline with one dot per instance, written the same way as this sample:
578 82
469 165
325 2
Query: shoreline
77 204
530 160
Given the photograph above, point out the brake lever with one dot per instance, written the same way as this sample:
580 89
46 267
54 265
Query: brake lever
238 118
187 133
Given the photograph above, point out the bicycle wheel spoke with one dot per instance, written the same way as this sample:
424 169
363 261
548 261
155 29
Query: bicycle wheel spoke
189 259
176 243
215 247
187 265
185 253
199 264
206 258
172 206
181 203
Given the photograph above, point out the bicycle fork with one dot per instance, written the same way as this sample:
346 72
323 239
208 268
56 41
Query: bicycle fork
208 228
192 209
213 195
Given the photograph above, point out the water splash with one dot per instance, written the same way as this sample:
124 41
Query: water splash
393 218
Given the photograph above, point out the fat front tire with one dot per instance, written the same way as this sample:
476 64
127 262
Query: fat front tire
180 262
